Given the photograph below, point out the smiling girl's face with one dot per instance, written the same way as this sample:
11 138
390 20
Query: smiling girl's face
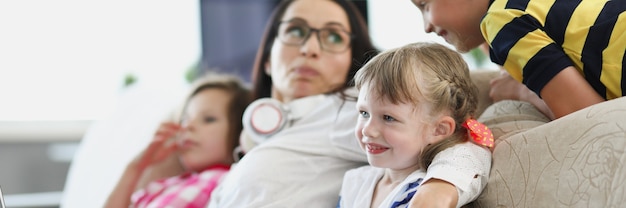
204 140
392 135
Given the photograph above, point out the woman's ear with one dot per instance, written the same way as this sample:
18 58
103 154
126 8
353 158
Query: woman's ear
444 128
268 68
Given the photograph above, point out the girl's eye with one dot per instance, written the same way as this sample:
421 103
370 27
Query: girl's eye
364 114
209 119
388 118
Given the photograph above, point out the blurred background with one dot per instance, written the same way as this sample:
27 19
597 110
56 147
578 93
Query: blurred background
67 65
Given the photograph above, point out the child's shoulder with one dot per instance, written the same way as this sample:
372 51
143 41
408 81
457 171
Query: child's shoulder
466 151
466 148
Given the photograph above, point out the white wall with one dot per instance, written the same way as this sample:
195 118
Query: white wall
394 23
66 59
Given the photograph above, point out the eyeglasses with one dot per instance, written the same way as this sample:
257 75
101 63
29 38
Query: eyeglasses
332 38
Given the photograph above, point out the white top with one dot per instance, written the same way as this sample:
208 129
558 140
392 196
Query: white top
359 184
304 164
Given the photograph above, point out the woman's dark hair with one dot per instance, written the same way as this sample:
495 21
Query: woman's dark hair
362 47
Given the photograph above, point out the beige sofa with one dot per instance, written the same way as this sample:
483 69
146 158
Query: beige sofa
574 161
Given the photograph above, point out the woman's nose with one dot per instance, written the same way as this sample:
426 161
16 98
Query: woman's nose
312 46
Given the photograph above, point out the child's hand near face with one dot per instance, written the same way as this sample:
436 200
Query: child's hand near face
185 161
140 171
161 146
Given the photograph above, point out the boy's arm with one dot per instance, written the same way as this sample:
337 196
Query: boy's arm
537 60
567 92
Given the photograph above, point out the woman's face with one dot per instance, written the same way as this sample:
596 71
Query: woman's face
307 69
204 140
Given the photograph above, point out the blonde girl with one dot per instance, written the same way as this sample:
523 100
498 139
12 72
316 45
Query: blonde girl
416 103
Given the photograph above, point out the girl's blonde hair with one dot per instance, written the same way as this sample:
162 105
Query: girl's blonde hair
240 98
425 73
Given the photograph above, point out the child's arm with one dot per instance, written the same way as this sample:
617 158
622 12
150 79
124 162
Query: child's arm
505 87
169 167
158 150
568 91
456 177
120 197
445 194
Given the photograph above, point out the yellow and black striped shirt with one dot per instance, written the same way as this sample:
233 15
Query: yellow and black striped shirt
536 39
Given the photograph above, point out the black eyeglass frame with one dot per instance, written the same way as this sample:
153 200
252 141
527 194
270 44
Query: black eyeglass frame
317 34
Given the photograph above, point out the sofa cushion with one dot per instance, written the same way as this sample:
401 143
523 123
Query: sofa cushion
575 161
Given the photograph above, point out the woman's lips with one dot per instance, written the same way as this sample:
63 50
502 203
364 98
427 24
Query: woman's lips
306 71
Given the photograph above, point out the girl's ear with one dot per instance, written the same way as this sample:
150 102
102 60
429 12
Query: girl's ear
444 127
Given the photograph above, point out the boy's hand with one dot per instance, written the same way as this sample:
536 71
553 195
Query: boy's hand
504 87
435 193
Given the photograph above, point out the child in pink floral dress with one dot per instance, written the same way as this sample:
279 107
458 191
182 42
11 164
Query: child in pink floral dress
203 142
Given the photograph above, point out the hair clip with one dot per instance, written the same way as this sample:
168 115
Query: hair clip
479 133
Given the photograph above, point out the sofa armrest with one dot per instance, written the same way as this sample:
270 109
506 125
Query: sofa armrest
576 161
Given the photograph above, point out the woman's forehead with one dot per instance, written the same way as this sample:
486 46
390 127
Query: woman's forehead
317 13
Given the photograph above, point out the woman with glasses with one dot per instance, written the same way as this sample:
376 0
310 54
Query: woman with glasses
298 136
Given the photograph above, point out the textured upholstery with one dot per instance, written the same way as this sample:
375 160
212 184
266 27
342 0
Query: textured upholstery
575 161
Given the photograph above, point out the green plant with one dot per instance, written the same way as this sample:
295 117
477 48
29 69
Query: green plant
192 72
479 57
129 79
